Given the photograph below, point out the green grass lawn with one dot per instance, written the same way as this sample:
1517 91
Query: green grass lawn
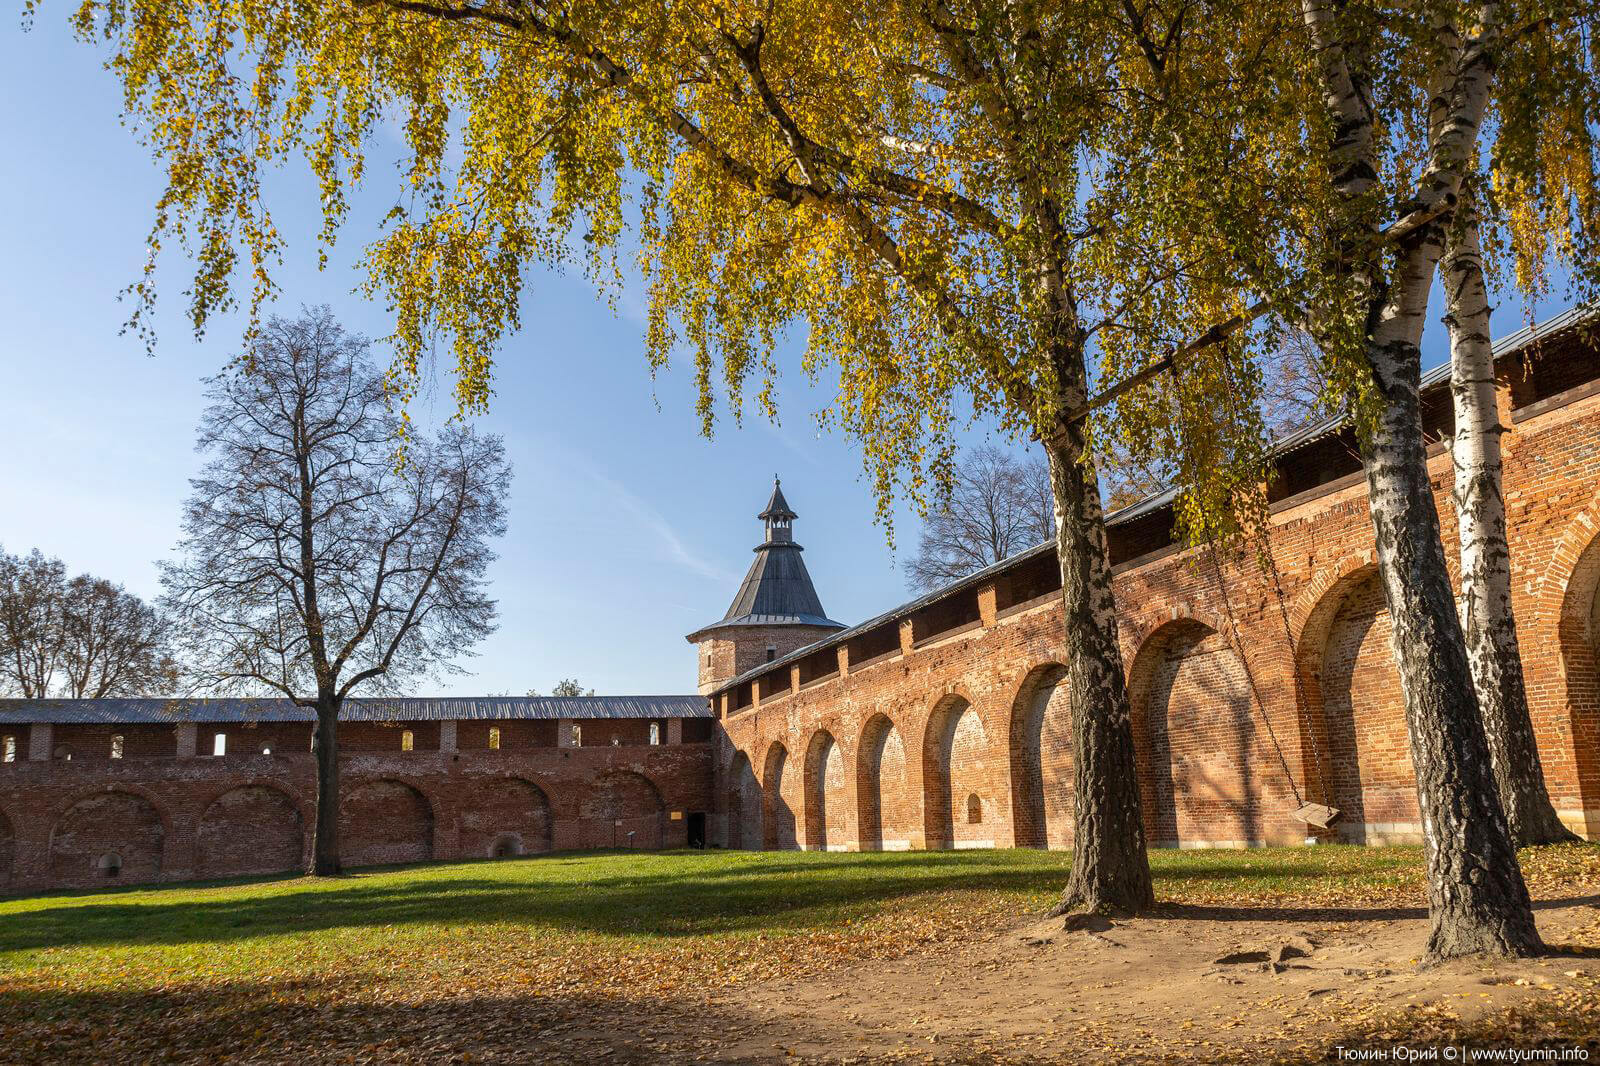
564 932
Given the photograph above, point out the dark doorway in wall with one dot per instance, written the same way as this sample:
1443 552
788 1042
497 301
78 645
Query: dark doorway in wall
696 829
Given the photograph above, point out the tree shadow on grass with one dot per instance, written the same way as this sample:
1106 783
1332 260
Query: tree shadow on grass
691 903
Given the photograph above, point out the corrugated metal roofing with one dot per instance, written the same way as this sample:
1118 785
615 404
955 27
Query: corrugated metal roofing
1506 345
399 709
1439 375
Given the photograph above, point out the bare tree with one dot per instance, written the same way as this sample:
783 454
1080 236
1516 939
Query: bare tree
998 505
315 558
31 628
114 643
83 638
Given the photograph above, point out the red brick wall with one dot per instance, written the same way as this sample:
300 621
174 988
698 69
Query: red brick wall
1221 661
514 735
828 821
503 817
8 852
1041 752
94 741
182 818
622 809
108 837
251 829
888 810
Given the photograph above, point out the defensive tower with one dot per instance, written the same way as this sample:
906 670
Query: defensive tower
776 610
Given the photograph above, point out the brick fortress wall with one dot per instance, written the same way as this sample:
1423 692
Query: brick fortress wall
944 726
169 811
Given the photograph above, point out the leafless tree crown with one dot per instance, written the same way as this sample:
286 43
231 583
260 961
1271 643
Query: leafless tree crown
80 638
315 558
999 504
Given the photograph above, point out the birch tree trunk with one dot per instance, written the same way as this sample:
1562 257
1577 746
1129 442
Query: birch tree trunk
1490 626
325 836
1477 899
1110 870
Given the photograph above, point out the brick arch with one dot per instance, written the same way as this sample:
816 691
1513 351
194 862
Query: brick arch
129 787
1313 596
1040 748
505 816
957 765
386 820
1356 746
620 803
745 819
826 804
1204 762
886 803
126 821
778 809
1179 614
255 826
1566 619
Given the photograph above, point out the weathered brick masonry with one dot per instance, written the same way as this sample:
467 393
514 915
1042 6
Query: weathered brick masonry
940 724
168 810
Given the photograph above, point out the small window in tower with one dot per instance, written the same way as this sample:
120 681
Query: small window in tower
116 746
655 733
265 750
577 735
11 749
974 809
219 744
772 652
494 738
407 741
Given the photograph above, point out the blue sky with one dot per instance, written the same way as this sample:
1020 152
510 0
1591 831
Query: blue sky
628 529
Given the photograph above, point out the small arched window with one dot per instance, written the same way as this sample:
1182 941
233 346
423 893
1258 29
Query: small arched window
11 749
655 732
974 809
266 750
116 746
494 738
219 744
407 741
577 735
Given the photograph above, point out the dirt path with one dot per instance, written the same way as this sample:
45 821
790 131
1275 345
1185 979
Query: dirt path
1195 983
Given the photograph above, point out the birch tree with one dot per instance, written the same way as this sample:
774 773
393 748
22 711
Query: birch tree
920 188
1479 903
314 565
1489 623
1387 105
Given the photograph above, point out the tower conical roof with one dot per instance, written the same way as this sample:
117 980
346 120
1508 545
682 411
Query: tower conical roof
777 507
777 590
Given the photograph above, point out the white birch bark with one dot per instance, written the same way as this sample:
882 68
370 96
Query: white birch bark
1490 625
1478 902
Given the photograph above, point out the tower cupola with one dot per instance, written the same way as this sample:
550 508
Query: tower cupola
776 609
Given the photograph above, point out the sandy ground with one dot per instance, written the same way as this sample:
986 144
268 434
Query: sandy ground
1194 983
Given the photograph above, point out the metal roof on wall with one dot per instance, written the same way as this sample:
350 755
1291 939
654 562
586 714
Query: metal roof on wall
399 709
